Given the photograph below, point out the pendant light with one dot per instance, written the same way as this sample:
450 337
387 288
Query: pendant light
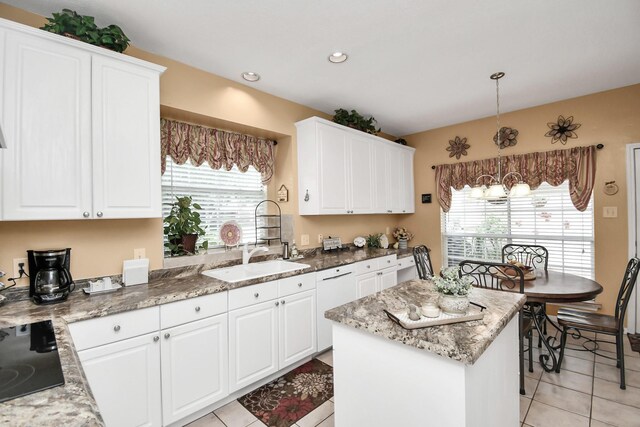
497 190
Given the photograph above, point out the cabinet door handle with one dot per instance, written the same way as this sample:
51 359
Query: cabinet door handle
99 214
299 285
277 303
368 266
116 328
156 338
167 335
388 261
197 308
282 302
256 295
85 214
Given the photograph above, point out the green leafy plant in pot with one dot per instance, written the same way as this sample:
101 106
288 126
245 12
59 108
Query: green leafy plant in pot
182 227
71 24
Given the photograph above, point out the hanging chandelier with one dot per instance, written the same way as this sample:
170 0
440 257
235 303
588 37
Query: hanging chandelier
496 192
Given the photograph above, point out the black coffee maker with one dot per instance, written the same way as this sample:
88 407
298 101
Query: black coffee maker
49 277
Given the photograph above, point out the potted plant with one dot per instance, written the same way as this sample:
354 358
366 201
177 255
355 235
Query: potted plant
454 290
355 120
182 227
373 240
70 24
402 235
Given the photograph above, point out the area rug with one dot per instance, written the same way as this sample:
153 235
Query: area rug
290 397
634 339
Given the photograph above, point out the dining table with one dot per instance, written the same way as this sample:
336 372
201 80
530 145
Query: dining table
554 287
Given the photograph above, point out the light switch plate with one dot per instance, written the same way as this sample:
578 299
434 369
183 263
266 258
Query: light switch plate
304 240
320 237
610 212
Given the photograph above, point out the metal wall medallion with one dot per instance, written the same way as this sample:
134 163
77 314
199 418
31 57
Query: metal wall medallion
562 130
458 147
508 137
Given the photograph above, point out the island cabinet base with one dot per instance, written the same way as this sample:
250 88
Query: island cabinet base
380 382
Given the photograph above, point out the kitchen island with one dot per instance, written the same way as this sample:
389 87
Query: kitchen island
462 374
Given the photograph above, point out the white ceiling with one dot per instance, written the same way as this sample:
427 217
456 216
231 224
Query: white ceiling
413 64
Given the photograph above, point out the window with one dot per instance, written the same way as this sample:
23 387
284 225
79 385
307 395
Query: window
223 195
476 229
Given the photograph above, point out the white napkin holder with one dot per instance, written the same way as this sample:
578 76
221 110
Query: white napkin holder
135 271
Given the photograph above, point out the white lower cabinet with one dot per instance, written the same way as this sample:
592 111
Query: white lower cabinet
270 335
124 378
253 343
194 367
376 281
297 337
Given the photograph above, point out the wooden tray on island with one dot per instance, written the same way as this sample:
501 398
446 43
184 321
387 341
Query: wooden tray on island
401 318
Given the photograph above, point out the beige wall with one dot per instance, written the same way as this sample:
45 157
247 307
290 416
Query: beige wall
611 118
99 247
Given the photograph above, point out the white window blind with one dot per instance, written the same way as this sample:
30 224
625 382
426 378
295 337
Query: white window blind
223 195
476 229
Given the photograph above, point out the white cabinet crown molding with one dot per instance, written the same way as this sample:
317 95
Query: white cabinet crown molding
16 26
352 131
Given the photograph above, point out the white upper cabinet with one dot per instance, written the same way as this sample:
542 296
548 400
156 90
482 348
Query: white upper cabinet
82 129
345 171
126 140
46 105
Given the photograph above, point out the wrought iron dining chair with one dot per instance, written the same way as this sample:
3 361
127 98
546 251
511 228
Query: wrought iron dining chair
602 323
537 257
423 262
503 277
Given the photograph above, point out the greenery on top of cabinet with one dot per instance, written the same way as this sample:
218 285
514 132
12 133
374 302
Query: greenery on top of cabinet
71 24
355 120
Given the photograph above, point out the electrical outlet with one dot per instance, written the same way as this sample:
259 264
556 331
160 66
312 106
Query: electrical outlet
610 212
320 238
139 253
304 240
386 231
16 268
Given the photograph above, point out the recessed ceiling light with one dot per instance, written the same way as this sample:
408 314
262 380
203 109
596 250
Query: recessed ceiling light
338 57
251 76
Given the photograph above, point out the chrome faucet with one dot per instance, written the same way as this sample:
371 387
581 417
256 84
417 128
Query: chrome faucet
246 255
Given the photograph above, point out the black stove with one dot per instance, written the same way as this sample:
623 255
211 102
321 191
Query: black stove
29 360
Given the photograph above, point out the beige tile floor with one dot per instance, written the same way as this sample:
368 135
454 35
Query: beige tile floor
586 393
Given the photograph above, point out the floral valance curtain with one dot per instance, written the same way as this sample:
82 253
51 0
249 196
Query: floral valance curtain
578 165
219 148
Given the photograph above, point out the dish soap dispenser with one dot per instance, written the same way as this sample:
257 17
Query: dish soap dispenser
293 252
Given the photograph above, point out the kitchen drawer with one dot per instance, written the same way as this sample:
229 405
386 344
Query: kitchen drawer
178 313
249 295
293 285
386 261
406 262
334 272
117 327
367 266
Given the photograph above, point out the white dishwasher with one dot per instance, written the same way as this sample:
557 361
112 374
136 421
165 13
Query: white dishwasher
335 286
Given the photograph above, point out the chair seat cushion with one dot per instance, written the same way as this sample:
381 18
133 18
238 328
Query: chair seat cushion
582 320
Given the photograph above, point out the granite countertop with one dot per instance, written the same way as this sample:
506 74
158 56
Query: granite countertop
73 403
464 342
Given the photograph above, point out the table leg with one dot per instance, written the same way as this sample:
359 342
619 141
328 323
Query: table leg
544 358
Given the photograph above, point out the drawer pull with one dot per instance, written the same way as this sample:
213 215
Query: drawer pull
388 261
116 328
156 338
399 264
299 285
277 303
197 308
282 302
256 295
167 335
368 266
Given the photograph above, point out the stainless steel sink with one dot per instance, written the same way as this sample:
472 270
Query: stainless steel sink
241 272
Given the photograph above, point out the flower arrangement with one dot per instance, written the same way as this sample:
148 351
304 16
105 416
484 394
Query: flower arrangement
450 282
401 233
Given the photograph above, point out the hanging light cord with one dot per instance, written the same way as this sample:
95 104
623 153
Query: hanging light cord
498 129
